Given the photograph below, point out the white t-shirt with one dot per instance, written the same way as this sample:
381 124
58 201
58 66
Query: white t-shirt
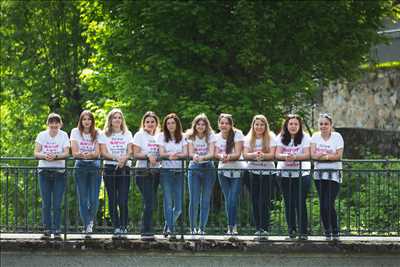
200 146
171 146
52 145
148 145
117 145
84 141
260 164
220 146
291 149
334 143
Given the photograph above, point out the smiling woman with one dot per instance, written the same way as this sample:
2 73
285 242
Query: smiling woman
52 147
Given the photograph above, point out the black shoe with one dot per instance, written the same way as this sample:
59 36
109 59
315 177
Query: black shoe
57 235
303 237
335 237
46 235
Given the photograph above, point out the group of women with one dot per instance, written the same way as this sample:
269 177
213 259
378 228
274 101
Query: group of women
158 157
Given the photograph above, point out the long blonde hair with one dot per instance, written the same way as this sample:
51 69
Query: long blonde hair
192 132
108 126
266 138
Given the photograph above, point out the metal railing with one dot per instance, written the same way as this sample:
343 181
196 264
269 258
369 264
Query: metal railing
368 203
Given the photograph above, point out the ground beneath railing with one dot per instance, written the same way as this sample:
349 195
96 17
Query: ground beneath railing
102 250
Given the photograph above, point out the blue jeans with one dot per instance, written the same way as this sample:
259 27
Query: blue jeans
52 187
88 179
201 179
117 182
148 186
295 191
230 188
172 184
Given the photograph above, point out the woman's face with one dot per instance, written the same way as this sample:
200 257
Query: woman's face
325 125
171 125
259 127
54 126
116 120
86 122
224 125
293 126
200 127
150 125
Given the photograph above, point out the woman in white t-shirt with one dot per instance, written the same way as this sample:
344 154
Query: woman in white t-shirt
52 148
228 149
327 151
116 147
259 146
146 151
293 146
201 174
173 146
86 151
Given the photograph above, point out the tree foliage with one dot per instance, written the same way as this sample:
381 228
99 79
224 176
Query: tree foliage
241 57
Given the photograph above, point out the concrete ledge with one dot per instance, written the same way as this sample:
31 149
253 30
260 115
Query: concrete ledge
243 244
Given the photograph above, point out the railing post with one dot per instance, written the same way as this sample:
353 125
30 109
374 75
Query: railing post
66 199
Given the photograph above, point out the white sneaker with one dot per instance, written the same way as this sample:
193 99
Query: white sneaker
117 231
89 229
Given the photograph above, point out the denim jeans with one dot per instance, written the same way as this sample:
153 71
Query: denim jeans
148 186
172 185
52 187
117 182
295 191
230 188
260 187
327 192
88 180
201 180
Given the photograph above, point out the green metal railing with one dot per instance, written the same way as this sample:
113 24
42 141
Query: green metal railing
368 203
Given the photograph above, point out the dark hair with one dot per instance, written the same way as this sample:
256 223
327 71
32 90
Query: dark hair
230 141
152 115
285 135
54 117
178 130
92 130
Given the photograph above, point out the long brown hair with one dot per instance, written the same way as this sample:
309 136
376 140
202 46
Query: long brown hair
266 138
285 135
192 132
230 141
153 115
108 125
92 129
178 130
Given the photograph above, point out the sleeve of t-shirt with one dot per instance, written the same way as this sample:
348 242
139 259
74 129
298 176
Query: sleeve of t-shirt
314 139
137 139
306 140
247 142
272 142
74 134
102 138
278 140
39 138
160 140
238 136
129 137
65 140
212 138
339 141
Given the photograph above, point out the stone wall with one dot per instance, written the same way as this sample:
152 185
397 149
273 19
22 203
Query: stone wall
361 143
371 102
